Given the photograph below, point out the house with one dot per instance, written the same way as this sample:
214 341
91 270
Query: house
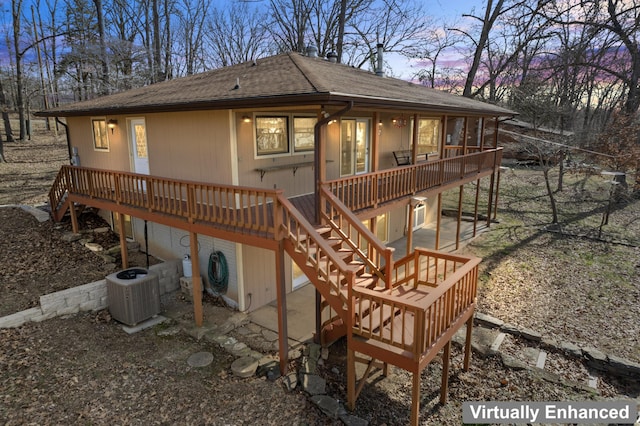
297 169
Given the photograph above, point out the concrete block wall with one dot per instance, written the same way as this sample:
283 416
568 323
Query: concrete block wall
88 297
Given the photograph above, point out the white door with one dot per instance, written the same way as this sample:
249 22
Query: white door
139 151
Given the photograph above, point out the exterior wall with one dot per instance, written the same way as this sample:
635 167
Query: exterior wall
259 272
172 244
298 183
81 136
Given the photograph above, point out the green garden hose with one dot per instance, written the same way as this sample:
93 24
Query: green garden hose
218 273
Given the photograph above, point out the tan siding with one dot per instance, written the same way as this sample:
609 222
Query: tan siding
260 276
81 136
302 182
190 145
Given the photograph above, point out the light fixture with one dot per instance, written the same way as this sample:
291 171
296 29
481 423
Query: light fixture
246 119
112 124
417 201
380 123
400 121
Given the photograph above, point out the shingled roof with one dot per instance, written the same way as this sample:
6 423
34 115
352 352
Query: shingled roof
287 79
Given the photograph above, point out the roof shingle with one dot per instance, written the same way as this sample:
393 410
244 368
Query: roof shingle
285 79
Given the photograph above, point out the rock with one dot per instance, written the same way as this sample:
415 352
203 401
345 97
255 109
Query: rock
113 251
269 335
488 320
571 349
133 246
95 247
244 367
350 420
295 354
623 367
239 350
271 366
167 332
86 240
511 362
200 359
309 366
107 258
70 237
595 358
314 351
528 334
291 381
312 384
327 405
102 230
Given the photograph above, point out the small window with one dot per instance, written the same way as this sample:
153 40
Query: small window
272 135
100 137
303 136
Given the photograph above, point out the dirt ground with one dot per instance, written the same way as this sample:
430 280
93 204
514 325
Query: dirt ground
85 370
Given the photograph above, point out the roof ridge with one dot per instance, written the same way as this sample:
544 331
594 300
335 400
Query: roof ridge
305 72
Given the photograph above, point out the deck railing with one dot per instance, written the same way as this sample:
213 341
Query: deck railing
243 208
377 258
373 189
415 314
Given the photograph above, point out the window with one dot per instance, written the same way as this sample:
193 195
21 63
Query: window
354 146
303 136
272 135
100 138
428 135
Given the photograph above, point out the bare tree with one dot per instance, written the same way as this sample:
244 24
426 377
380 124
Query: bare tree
235 35
192 15
16 14
436 41
290 23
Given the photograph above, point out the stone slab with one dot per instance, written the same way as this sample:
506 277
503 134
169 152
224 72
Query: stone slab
200 359
158 319
244 367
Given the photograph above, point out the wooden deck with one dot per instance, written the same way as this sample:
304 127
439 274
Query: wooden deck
397 311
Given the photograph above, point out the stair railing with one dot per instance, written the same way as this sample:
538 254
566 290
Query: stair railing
369 249
318 254
58 192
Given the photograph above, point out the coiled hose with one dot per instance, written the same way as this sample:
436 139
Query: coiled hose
218 274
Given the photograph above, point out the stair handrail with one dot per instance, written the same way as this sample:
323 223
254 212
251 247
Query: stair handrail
59 188
294 224
376 250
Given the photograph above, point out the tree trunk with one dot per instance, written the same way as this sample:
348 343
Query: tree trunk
5 115
552 198
104 62
16 10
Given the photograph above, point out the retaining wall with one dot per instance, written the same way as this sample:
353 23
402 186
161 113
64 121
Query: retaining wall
88 297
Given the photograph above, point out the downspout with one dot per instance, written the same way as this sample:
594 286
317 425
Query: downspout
66 132
316 152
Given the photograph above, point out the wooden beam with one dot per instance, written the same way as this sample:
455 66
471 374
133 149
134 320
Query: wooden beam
123 241
281 290
74 216
438 221
475 208
415 399
467 344
410 229
351 376
375 143
444 387
459 217
196 280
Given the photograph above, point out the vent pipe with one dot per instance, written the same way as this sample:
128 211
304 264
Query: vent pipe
312 51
380 60
332 57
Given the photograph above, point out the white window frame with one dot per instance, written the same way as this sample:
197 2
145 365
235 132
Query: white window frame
106 134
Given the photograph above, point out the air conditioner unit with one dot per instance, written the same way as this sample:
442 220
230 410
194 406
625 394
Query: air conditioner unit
133 295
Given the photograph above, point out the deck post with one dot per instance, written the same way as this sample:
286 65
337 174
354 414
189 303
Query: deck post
196 279
283 337
438 221
475 208
415 399
410 229
459 216
467 344
444 388
351 376
74 216
123 241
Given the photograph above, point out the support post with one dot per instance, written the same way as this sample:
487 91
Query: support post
475 208
444 388
283 336
438 221
459 217
196 279
351 377
410 230
123 241
467 344
74 217
415 399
